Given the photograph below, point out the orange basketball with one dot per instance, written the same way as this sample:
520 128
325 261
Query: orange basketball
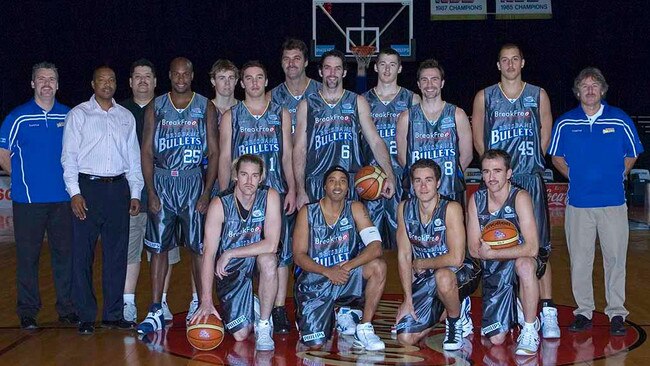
500 234
369 181
205 336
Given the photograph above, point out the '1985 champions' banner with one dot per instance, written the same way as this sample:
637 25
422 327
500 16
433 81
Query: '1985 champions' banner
458 9
523 9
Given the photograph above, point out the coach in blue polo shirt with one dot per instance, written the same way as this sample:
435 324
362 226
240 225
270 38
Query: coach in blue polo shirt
30 149
595 145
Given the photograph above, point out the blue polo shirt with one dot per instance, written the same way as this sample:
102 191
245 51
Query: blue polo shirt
595 153
34 138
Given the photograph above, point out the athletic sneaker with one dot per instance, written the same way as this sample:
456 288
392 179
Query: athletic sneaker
281 324
366 338
453 336
263 339
465 317
154 321
166 312
550 328
130 312
194 306
528 341
347 320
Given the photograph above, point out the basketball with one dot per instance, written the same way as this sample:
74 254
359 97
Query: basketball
205 336
500 234
369 181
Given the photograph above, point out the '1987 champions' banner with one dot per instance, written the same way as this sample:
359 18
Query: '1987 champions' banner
523 9
458 9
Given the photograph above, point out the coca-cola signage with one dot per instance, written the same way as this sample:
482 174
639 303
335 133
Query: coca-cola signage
556 194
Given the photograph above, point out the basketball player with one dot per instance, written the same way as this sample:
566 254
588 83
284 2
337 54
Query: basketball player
437 130
329 125
261 127
434 271
296 83
180 129
223 76
242 230
504 268
337 250
387 100
516 117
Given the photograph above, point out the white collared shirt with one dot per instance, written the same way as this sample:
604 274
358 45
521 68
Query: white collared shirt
593 118
102 143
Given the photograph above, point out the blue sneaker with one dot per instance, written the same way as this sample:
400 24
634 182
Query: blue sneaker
154 321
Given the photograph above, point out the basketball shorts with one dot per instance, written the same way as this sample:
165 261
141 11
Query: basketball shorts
235 293
499 296
315 191
285 252
179 192
316 297
426 303
383 213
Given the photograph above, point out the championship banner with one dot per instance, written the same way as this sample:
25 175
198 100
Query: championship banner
458 9
523 9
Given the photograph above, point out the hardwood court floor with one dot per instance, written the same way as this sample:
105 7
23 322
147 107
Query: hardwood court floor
54 344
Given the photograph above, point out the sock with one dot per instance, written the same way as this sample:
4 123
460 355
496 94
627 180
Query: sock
547 303
129 298
452 320
164 297
264 323
195 297
532 325
156 306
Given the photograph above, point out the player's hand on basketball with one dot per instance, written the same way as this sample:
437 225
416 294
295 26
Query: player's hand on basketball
406 308
203 312
301 200
78 205
388 190
290 202
484 250
337 275
134 207
222 263
203 203
418 266
154 203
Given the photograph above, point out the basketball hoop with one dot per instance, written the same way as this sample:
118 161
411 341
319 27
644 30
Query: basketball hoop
363 54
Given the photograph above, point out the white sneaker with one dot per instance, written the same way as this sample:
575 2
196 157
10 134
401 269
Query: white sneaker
465 317
550 328
194 306
130 312
347 320
528 341
263 339
453 336
166 312
365 337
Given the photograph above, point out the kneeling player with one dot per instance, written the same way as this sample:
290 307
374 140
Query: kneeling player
243 229
337 250
434 271
504 268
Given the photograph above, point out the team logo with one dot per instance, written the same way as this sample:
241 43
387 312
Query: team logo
508 209
401 104
447 122
344 221
60 124
437 222
346 108
530 102
257 213
608 130
273 119
196 113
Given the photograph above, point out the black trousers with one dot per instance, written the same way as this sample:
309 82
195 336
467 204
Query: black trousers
31 221
108 215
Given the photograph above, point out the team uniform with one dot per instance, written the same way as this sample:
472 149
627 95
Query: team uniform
282 96
235 292
333 138
429 241
499 277
262 136
383 212
437 140
179 144
514 126
315 295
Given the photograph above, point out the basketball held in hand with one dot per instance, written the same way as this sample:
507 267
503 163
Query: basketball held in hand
369 182
500 234
205 336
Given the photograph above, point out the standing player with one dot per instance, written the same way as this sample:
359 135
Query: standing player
261 127
180 128
436 130
329 126
387 100
296 83
434 271
516 117
224 76
337 250
243 231
504 268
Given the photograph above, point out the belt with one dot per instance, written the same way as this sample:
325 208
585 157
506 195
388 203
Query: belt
97 178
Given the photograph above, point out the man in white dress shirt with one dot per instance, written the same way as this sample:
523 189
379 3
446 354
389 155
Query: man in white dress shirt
101 170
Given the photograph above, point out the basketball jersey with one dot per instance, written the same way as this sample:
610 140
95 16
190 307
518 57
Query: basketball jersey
261 136
515 127
238 231
333 135
282 96
428 240
179 141
436 140
506 212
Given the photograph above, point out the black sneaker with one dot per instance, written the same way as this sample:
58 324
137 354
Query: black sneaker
86 328
71 318
617 326
281 323
28 323
117 324
580 324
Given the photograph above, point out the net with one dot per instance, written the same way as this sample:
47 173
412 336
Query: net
363 54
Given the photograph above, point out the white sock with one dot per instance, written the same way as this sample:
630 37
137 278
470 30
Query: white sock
532 325
164 297
129 298
264 323
195 297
